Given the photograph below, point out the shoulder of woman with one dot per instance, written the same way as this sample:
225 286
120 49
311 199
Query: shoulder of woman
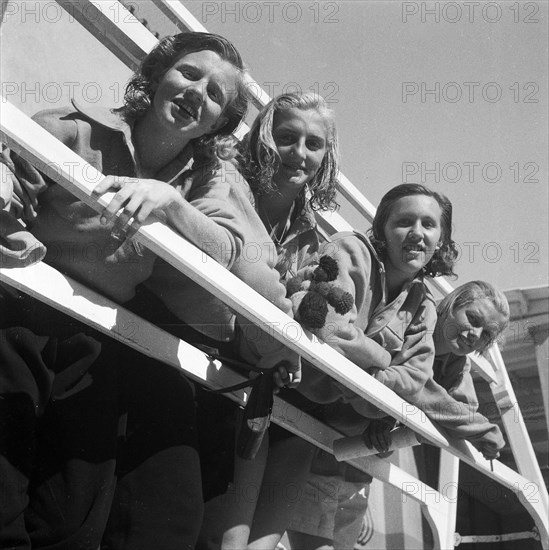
222 176
222 171
233 178
348 248
60 123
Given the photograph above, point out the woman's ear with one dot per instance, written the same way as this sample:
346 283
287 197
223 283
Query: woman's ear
156 77
155 81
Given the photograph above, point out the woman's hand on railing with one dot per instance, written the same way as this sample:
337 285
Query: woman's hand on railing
378 435
137 198
286 368
488 450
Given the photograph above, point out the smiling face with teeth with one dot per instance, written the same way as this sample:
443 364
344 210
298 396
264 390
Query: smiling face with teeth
412 231
190 97
469 328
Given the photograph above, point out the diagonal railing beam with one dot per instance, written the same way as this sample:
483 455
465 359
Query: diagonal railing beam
48 285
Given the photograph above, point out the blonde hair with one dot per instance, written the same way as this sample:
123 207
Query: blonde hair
259 157
471 292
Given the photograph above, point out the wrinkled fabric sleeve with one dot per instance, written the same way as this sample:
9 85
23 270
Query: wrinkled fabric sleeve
457 412
213 219
212 215
412 365
20 187
241 244
256 267
341 331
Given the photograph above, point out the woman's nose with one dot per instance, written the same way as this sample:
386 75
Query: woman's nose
415 232
298 150
474 334
195 92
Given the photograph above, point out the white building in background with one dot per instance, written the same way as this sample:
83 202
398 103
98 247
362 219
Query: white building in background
526 355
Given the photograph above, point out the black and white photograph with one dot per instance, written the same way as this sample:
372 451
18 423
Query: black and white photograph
274 275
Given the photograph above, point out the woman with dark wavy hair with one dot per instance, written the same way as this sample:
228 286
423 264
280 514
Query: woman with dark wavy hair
445 254
141 88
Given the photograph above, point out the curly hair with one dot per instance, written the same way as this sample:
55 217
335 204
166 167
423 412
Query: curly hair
139 92
471 292
259 156
444 258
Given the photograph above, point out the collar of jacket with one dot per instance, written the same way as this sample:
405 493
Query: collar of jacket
109 118
304 222
115 120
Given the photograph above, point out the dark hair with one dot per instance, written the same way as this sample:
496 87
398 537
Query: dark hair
140 89
470 293
259 156
443 260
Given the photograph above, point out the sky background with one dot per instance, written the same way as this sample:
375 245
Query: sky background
481 137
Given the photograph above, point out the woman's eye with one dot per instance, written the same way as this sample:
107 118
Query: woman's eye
216 95
188 73
474 320
314 145
284 139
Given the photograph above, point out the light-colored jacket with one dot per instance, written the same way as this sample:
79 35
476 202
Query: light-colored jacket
221 219
390 340
449 398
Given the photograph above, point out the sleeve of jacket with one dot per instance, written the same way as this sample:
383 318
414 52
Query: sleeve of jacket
20 186
213 217
341 331
457 412
252 260
228 229
412 365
